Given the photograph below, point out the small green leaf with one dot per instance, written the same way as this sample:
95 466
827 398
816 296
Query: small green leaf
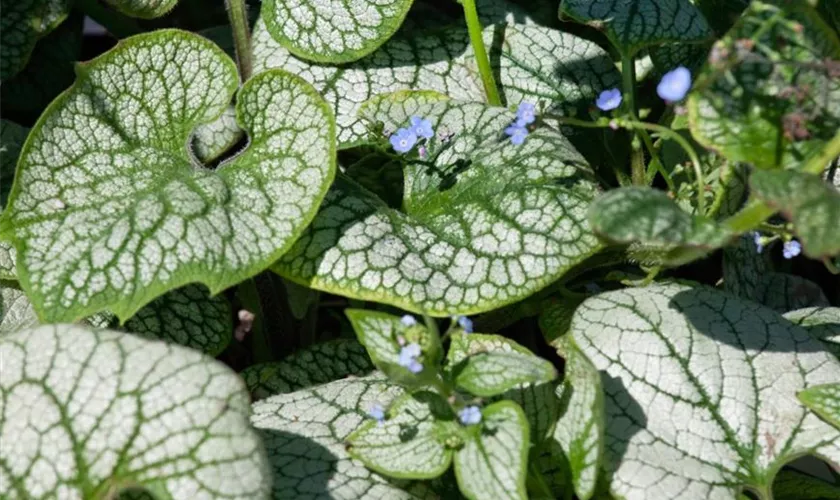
22 24
499 223
145 9
305 432
824 400
12 137
94 411
649 216
317 364
809 202
152 219
494 460
412 441
580 429
488 365
823 323
300 298
333 32
16 311
769 101
699 391
632 25
380 333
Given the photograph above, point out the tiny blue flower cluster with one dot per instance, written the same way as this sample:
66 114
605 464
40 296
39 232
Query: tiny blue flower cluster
465 323
791 249
673 87
526 114
408 358
470 415
408 320
404 139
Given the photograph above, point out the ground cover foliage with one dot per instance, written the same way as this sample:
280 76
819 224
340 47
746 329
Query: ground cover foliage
416 249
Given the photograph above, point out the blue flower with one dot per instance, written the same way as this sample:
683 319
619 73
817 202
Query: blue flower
791 249
421 127
403 140
674 84
408 358
759 246
517 132
470 415
526 114
608 100
465 323
408 320
377 413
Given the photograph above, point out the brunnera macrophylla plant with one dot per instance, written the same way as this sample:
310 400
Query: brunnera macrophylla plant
484 249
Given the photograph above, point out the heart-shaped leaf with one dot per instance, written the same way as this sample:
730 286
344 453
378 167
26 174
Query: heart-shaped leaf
305 431
411 442
146 9
824 400
317 364
328 31
700 391
580 429
113 223
533 63
12 137
650 217
812 204
488 365
22 24
632 25
493 462
486 223
823 323
90 412
769 94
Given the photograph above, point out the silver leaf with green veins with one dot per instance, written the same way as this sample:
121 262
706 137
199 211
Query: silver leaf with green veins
512 222
114 222
16 311
632 25
146 9
701 391
305 431
91 412
12 137
824 400
333 31
823 323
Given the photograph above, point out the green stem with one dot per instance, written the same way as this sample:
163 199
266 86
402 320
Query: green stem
628 78
537 481
250 298
474 28
750 217
695 160
117 24
238 14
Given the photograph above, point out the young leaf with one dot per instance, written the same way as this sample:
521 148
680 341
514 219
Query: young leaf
212 140
22 24
580 429
824 400
326 31
152 220
12 137
499 223
317 364
304 433
494 460
412 441
700 390
91 412
632 25
823 323
809 202
146 9
771 101
16 312
488 365
649 216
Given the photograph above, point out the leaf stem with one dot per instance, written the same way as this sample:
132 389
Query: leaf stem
474 28
692 154
238 15
537 481
117 24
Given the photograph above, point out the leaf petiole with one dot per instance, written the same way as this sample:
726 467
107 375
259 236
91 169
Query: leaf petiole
474 28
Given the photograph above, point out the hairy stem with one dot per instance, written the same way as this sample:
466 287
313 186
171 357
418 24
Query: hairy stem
474 28
238 14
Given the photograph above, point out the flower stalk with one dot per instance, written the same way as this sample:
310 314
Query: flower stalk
238 15
484 69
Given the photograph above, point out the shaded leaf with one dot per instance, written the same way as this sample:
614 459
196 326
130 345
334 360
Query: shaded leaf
12 137
22 24
823 323
146 9
794 485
